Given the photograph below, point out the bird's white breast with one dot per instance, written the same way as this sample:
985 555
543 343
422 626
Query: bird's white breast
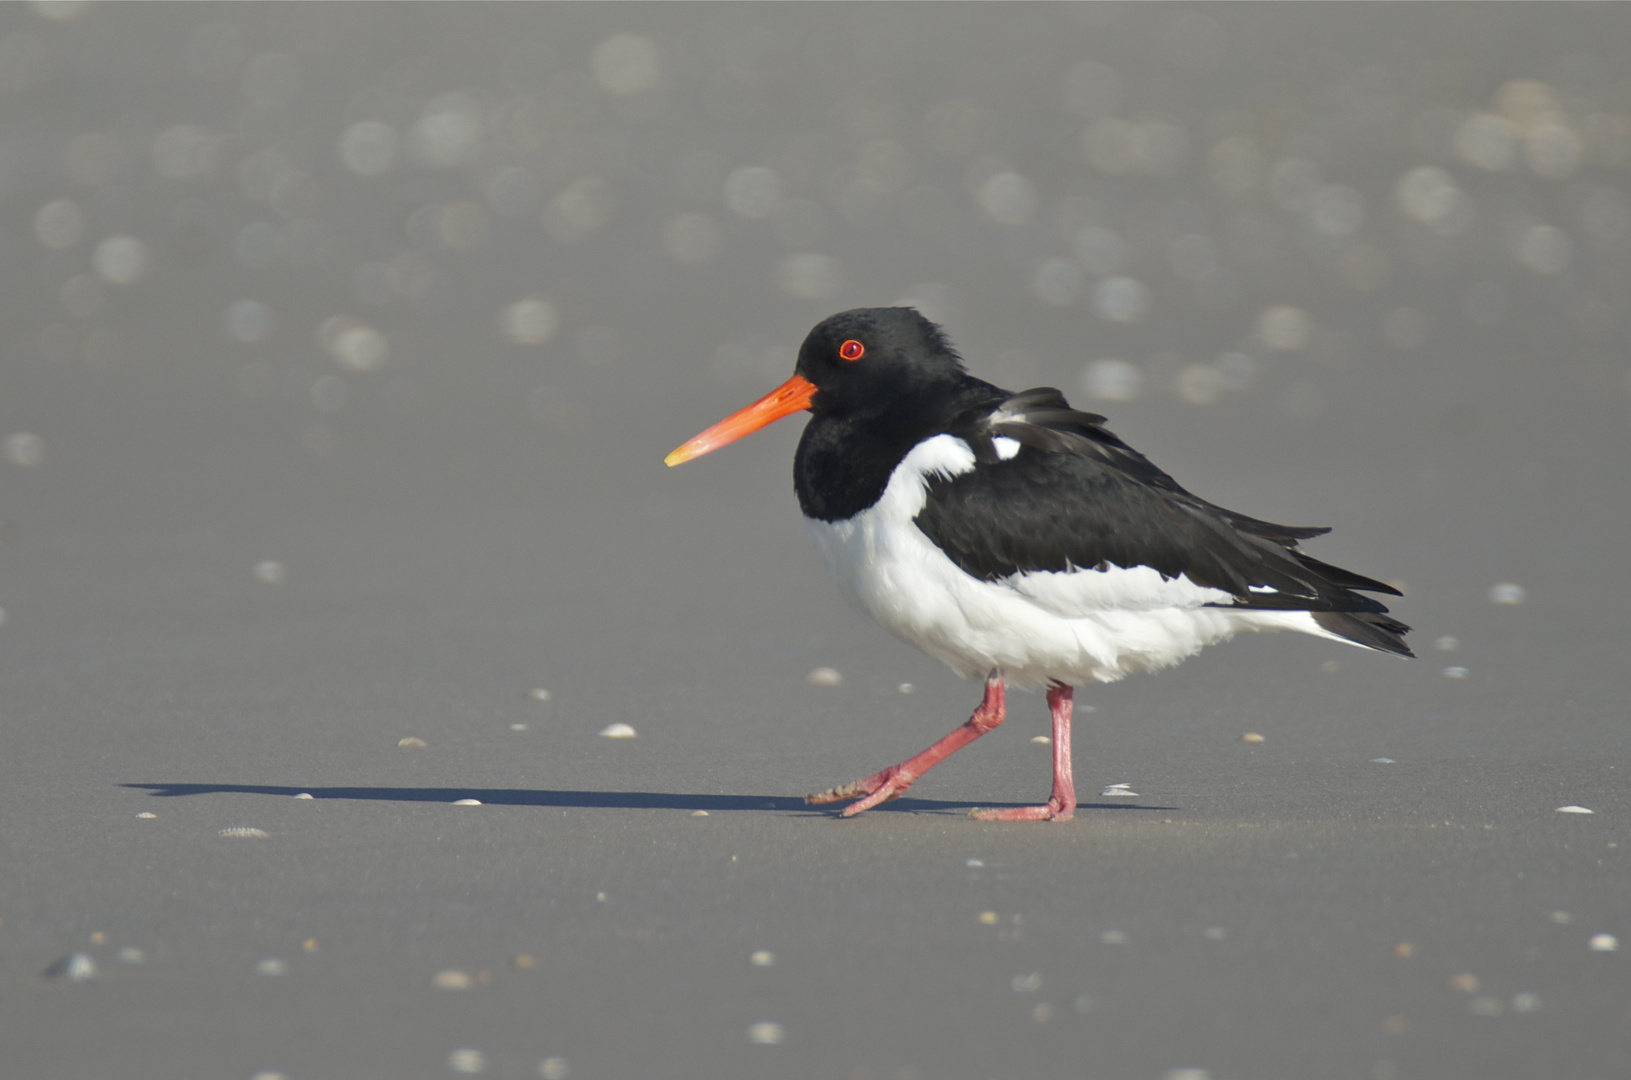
1071 626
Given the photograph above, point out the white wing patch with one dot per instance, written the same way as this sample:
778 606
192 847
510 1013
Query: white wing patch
1139 588
1006 448
1002 414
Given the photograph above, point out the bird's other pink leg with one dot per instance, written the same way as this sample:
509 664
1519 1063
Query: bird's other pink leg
1061 805
892 782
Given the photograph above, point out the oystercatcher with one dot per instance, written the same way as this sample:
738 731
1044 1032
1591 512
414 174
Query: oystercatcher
1020 541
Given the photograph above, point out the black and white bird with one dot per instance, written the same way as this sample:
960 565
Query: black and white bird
1020 541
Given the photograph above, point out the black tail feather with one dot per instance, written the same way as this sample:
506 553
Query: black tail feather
1370 629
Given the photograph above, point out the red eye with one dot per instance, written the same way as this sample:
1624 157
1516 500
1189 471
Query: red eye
852 350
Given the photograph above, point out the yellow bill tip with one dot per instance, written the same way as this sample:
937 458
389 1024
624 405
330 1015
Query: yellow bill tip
790 397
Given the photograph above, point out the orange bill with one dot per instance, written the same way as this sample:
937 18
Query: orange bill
790 397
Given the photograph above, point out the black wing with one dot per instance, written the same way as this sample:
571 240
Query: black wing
1077 497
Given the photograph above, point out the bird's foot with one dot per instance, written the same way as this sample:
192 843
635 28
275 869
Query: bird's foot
1055 809
891 783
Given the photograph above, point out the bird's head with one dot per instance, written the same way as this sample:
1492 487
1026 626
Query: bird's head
863 362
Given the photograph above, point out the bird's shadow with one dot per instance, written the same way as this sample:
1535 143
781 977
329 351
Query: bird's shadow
591 800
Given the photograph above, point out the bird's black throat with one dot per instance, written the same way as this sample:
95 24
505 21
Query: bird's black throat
844 460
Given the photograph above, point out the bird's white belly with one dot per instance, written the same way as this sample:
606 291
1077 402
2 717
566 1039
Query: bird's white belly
1034 627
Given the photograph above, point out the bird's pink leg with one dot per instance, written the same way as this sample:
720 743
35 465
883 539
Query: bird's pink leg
892 782
1061 805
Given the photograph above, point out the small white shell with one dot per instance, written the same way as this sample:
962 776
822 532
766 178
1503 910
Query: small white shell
466 1061
824 676
765 1033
